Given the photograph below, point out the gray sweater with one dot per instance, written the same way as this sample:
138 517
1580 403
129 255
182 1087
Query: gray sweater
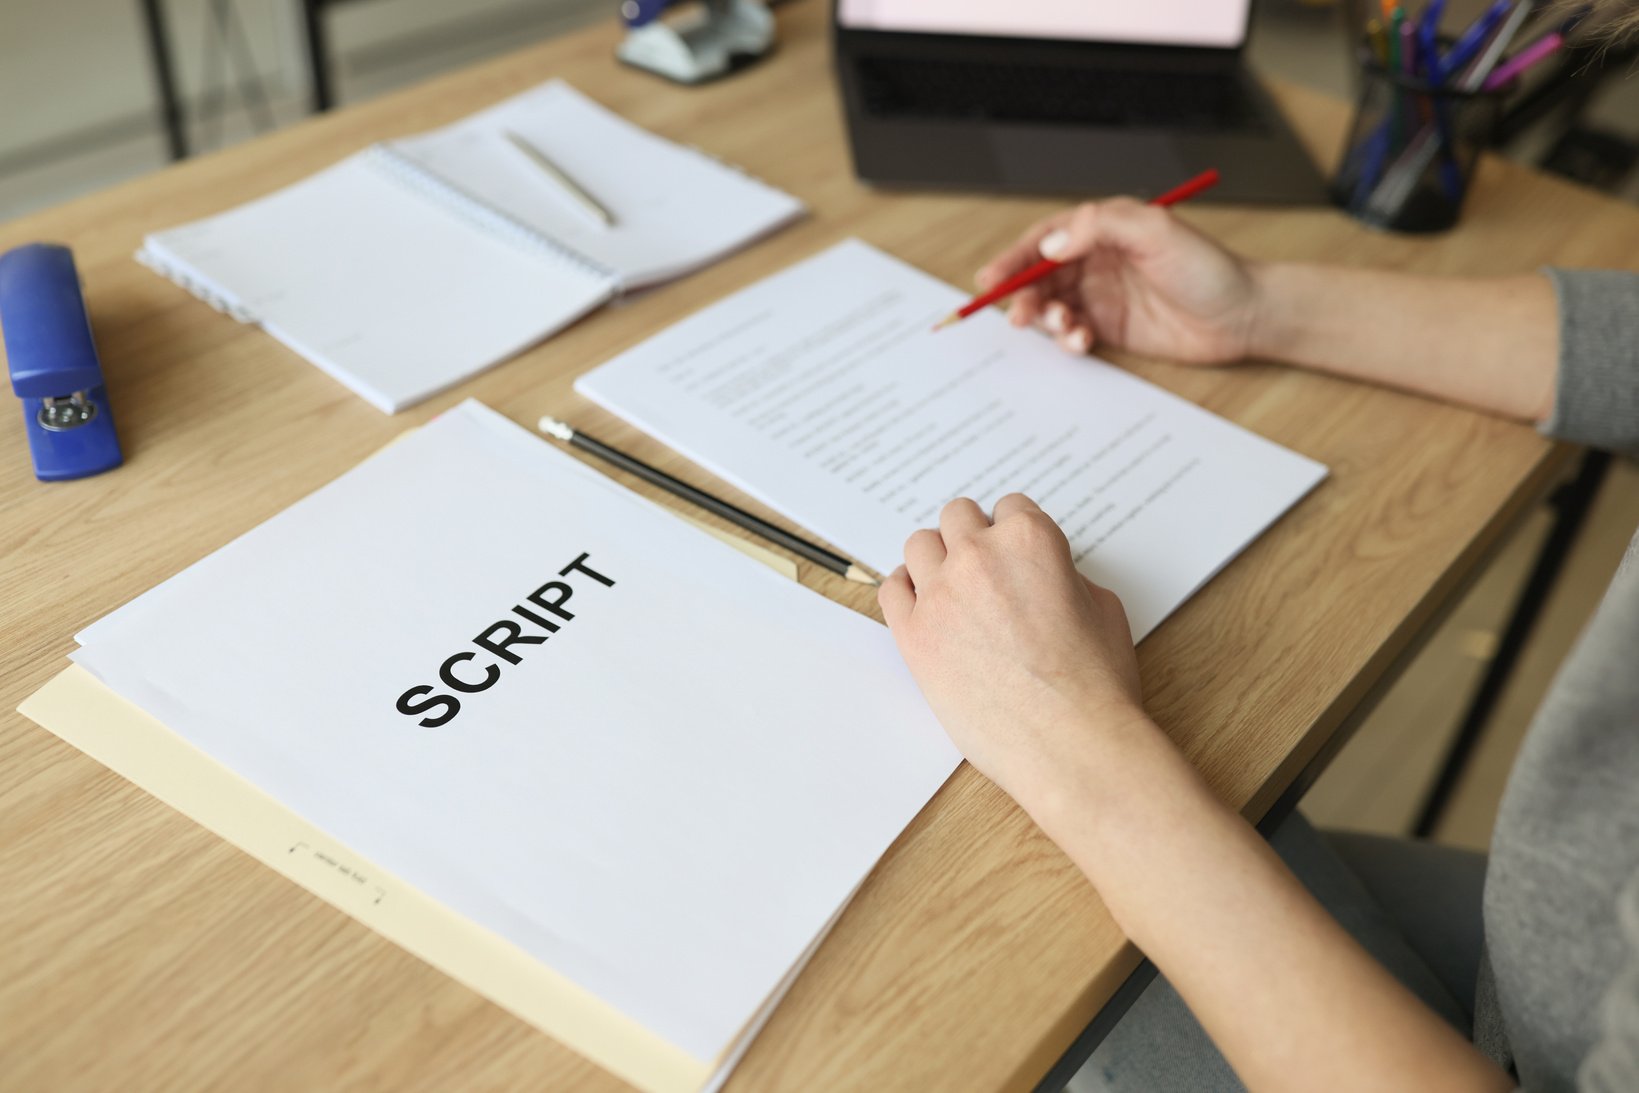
1559 1000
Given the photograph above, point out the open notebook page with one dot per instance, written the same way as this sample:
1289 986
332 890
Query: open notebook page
823 392
666 801
391 293
675 208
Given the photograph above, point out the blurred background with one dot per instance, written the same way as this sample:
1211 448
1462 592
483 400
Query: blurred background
82 80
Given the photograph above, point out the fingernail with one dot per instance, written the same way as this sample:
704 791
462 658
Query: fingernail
1055 318
1081 341
1055 244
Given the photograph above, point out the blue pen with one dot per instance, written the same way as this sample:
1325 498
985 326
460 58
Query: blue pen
1428 39
1472 39
1434 71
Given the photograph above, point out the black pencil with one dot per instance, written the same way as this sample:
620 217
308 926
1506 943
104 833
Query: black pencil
815 553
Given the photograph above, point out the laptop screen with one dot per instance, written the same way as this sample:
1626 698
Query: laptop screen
1216 23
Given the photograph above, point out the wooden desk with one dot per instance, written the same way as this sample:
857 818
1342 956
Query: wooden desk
144 953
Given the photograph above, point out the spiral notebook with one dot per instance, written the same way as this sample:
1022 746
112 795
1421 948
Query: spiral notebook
417 263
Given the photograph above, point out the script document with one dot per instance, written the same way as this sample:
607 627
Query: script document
637 757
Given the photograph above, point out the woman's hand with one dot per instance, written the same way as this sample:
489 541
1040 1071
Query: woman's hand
1135 277
1024 661
1031 670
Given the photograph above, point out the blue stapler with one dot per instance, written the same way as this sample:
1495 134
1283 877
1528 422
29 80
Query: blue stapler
53 364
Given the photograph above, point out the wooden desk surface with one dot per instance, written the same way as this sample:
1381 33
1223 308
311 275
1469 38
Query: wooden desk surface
142 952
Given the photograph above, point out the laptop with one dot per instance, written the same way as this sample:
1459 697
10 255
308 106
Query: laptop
1071 97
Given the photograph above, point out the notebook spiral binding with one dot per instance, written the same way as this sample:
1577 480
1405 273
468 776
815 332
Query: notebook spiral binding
227 305
479 213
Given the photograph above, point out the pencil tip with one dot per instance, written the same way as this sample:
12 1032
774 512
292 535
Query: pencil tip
949 320
551 426
858 575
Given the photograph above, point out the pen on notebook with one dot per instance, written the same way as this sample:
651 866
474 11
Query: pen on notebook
1203 181
735 515
583 200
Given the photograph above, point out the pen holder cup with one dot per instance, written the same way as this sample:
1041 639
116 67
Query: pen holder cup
1412 150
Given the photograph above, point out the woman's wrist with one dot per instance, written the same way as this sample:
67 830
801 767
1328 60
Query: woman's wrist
1278 311
1105 752
1121 808
1491 342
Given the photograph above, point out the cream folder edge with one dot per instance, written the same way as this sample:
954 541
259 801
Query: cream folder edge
78 709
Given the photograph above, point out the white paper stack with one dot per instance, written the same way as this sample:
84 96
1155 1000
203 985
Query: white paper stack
823 392
580 755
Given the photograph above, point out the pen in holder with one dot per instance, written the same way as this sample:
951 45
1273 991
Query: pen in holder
1412 149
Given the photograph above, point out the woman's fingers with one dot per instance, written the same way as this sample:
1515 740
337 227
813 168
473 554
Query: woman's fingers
1014 504
896 597
1026 306
959 519
924 554
1084 238
1120 222
1077 340
1025 252
1057 318
1069 327
1063 306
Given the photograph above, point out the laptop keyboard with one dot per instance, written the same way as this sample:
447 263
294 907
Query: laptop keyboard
925 88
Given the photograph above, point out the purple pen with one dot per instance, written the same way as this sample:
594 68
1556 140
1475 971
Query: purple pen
1524 59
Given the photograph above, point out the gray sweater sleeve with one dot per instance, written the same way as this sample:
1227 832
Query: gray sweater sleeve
1613 1064
1596 395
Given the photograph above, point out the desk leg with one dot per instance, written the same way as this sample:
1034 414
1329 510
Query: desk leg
1077 1054
1571 502
318 56
170 104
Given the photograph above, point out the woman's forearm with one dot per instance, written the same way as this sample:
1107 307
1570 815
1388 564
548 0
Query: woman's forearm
1288 996
1491 343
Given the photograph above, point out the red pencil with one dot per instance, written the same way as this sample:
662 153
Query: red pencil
1203 181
